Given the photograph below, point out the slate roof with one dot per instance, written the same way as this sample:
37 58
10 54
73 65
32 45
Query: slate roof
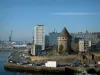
64 33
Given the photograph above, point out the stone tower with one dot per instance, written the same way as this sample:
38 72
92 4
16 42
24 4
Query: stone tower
64 41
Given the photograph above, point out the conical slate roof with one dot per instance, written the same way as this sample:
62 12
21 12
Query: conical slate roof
64 33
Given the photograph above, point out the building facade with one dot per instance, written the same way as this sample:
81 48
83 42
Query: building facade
95 36
84 45
64 41
39 37
53 38
46 40
98 46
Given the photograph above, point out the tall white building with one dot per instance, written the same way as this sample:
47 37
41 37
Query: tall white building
39 38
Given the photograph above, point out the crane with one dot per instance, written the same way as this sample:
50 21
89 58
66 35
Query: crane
10 37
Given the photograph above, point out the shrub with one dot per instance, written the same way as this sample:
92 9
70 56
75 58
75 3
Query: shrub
28 58
91 71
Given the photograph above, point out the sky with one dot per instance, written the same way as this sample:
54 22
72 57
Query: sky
21 16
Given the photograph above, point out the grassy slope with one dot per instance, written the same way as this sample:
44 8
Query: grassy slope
60 59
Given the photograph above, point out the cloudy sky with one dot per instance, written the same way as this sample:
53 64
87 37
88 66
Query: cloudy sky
21 16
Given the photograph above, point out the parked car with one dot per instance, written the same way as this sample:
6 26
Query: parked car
10 61
18 63
62 65
75 63
34 64
25 62
30 64
91 66
39 64
85 65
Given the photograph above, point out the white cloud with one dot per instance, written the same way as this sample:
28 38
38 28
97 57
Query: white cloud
74 13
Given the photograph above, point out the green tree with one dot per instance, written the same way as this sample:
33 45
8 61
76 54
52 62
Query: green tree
60 48
75 46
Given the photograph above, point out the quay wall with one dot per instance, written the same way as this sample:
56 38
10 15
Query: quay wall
38 68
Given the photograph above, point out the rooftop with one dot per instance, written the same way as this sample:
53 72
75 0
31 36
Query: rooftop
40 25
65 33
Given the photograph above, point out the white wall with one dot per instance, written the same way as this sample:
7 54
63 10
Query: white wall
90 43
98 62
51 64
81 46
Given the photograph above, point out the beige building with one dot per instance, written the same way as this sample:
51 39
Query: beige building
64 41
83 45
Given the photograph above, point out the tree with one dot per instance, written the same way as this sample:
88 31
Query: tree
60 48
75 46
91 71
29 51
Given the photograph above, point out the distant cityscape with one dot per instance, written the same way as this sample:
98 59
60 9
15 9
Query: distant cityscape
85 41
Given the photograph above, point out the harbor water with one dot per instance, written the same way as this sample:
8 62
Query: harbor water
3 58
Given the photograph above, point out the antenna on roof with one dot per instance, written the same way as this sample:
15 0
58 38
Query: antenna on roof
54 30
86 31
64 25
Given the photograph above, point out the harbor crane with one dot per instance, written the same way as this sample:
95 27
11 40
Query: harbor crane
10 37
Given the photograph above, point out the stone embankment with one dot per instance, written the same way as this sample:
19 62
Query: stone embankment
38 68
